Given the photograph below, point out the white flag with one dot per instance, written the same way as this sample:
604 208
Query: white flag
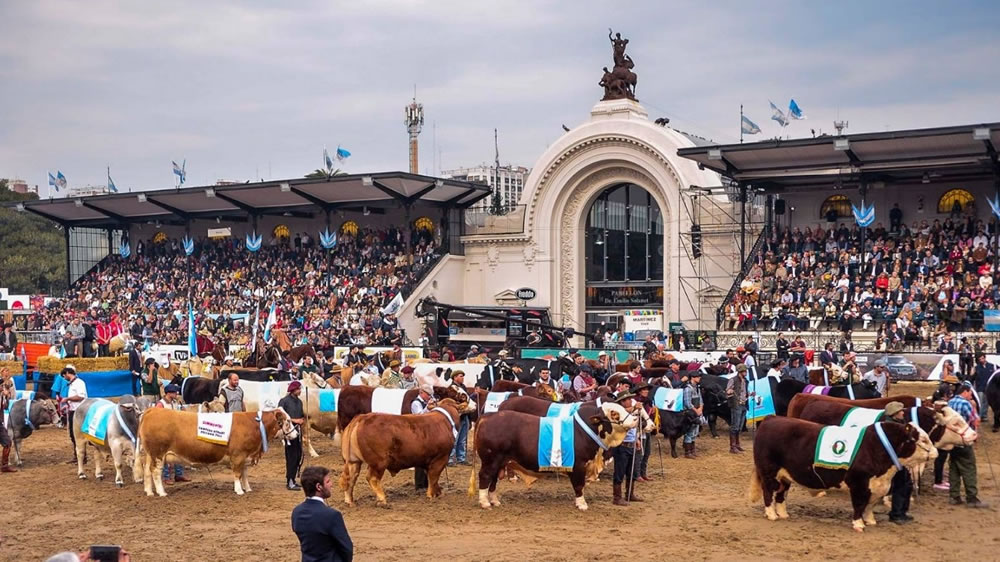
394 306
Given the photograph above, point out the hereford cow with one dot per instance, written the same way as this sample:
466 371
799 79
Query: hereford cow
41 411
120 428
784 450
356 400
800 401
783 391
390 442
163 430
513 436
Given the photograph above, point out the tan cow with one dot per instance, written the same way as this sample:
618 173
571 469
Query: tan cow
323 422
162 430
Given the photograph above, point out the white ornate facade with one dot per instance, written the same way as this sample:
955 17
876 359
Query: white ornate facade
544 249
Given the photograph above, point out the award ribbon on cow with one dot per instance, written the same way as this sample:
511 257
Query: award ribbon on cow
95 423
859 417
215 428
125 428
837 446
556 444
493 401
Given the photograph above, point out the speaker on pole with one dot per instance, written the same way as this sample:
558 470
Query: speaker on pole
779 206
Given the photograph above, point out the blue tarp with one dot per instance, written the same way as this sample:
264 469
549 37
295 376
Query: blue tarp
100 384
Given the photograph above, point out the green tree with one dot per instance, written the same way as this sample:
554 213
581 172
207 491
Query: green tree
32 250
496 205
318 173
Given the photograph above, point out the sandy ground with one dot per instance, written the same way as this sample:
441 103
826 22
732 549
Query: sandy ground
697 509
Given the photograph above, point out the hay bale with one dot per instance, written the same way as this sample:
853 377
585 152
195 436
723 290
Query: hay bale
53 365
15 367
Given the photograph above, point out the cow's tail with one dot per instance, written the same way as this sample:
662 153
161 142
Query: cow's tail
756 493
472 471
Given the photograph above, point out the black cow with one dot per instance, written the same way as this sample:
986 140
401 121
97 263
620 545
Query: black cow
783 391
993 400
713 395
195 390
266 374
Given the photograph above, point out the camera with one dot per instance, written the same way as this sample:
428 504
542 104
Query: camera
105 553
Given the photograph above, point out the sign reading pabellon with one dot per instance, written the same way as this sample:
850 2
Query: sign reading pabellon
645 319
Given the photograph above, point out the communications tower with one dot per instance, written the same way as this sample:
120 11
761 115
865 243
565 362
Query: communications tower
413 118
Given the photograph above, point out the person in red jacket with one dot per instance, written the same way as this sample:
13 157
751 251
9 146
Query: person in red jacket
102 332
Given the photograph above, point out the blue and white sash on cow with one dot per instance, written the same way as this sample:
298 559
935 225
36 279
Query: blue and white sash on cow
850 391
669 399
388 400
861 416
328 398
837 446
215 427
28 395
563 410
95 423
493 401
556 444
761 403
454 430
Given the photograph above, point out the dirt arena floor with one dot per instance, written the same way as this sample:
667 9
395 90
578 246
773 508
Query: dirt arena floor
697 509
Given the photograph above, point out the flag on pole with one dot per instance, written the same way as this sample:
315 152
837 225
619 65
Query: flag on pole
394 305
256 325
53 182
778 115
343 154
272 319
192 337
327 160
111 183
180 171
60 179
794 111
749 127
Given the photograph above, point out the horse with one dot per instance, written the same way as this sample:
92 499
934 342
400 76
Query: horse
264 357
299 352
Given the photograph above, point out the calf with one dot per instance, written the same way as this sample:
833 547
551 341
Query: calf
23 423
121 429
784 450
163 431
387 442
513 436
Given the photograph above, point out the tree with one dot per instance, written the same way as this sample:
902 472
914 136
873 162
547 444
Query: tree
320 173
496 205
32 250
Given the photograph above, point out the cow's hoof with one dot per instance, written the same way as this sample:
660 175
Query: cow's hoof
314 454
858 525
781 510
770 513
237 493
100 477
82 476
119 484
383 505
486 506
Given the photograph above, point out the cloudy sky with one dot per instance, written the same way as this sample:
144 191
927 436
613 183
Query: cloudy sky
255 89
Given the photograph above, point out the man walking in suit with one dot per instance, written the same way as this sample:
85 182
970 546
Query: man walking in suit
322 534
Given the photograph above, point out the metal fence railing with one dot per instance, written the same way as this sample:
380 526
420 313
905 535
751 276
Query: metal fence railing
508 219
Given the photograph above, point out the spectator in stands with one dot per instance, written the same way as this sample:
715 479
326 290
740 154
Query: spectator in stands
8 340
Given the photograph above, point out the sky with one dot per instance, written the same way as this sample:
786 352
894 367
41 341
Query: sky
255 89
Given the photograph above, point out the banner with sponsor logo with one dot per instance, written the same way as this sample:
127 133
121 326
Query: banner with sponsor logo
410 353
643 320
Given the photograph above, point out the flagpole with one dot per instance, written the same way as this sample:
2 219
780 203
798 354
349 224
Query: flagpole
741 123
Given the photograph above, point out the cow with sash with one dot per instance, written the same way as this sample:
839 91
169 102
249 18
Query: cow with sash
394 442
27 412
208 438
320 405
819 457
786 389
356 400
800 401
110 428
547 444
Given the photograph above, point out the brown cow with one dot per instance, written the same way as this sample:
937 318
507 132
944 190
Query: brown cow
513 436
356 400
539 391
162 430
784 450
390 442
800 400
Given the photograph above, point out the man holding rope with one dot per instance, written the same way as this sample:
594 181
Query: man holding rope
962 466
624 457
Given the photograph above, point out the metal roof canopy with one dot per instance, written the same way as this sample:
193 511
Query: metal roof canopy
298 196
959 154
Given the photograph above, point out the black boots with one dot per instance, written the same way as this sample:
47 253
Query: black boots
733 444
5 463
689 452
618 495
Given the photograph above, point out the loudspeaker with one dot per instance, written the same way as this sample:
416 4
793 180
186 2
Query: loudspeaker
779 206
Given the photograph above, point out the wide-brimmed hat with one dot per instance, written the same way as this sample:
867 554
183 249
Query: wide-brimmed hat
640 387
458 373
625 395
741 368
394 363
503 353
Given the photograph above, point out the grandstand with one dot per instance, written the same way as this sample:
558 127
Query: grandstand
926 266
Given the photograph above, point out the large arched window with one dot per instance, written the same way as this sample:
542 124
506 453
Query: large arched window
946 203
624 236
839 203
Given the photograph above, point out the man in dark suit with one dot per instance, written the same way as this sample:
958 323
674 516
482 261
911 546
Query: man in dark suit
322 534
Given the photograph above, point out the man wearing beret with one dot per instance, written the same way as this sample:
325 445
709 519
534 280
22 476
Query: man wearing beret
408 382
292 406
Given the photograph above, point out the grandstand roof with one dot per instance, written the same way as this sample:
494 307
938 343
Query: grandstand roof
299 197
965 153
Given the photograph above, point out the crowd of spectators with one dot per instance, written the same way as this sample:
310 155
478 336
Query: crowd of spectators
909 283
324 297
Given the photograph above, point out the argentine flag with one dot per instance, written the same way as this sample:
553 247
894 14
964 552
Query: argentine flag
60 179
778 115
794 111
327 160
749 127
192 337
179 171
272 319
111 183
343 154
53 182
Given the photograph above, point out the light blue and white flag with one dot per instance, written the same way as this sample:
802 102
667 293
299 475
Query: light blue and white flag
394 305
327 160
995 205
188 244
991 320
272 319
254 242
53 181
124 250
343 154
180 171
778 115
794 111
327 239
749 127
111 183
256 326
865 215
60 179
192 336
